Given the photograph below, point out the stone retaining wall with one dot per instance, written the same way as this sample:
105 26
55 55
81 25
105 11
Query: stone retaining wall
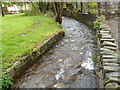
25 62
108 55
87 19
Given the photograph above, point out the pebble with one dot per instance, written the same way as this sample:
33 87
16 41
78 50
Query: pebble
72 41
81 52
58 85
60 60
74 49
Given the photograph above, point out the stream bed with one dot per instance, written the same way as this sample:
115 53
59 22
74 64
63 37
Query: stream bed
69 64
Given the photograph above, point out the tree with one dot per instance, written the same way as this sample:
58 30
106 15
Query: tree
2 9
5 3
81 6
76 5
58 10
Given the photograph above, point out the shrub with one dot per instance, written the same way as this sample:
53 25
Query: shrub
50 14
6 83
33 11
96 24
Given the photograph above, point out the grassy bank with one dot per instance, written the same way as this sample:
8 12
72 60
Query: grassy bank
20 34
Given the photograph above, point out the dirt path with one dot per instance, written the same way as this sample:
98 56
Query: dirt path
69 64
114 23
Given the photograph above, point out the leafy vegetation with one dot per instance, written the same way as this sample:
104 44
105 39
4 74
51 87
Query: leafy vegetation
96 24
22 33
92 7
6 83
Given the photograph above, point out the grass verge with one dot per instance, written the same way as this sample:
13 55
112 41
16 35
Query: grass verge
20 34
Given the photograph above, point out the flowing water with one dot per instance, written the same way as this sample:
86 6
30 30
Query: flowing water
69 64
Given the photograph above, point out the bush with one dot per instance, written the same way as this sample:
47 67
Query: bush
34 11
50 14
6 83
96 24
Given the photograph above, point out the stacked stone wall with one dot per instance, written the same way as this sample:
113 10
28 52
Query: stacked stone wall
108 51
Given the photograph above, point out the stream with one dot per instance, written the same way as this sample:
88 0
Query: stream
69 64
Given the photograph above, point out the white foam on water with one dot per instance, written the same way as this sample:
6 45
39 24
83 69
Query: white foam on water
88 64
59 74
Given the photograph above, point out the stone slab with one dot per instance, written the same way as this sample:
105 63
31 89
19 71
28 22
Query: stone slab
109 56
114 79
106 50
113 74
112 85
110 64
111 48
111 68
101 31
106 43
111 61
105 39
105 36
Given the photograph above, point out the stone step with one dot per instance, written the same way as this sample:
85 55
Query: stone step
106 36
110 39
106 43
114 79
106 50
105 29
101 31
111 69
112 85
111 48
112 74
109 56
110 64
106 53
111 61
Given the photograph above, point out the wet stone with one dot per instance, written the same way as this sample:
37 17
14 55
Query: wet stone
111 48
72 41
37 82
58 85
104 31
110 64
112 85
111 68
106 53
111 40
81 52
109 56
60 60
106 43
74 49
112 74
106 36
106 50
114 79
111 61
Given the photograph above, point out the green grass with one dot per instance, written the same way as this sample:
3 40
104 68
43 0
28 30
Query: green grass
20 34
